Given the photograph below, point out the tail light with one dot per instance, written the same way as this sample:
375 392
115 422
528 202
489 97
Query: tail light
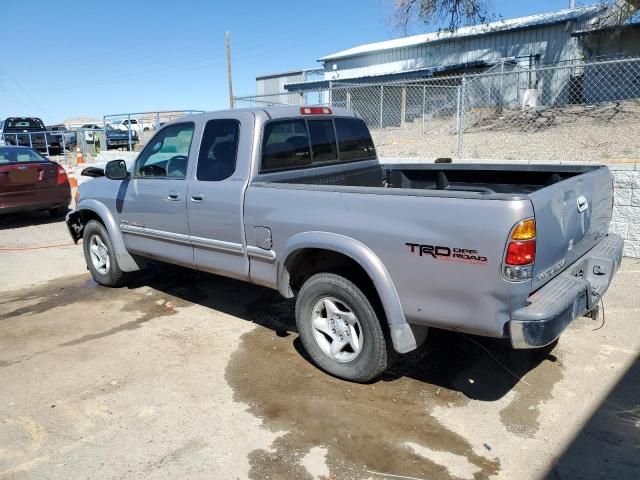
315 111
62 175
521 251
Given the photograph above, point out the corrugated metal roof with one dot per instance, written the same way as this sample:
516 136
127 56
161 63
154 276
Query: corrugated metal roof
474 30
289 73
404 76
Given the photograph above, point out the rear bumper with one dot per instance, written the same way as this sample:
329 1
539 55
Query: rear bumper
571 294
26 207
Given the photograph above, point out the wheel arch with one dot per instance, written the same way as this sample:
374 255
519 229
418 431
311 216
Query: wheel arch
296 254
90 209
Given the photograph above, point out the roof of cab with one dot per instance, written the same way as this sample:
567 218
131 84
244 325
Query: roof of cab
277 111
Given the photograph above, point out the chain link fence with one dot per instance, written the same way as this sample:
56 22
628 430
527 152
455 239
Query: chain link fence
585 111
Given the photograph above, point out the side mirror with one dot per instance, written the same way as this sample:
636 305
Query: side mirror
116 170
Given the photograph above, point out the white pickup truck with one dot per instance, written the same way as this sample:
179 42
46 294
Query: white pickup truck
295 199
136 125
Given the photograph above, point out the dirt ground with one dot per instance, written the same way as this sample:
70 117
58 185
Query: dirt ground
187 375
574 133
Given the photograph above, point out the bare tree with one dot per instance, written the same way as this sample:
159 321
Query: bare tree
618 13
451 14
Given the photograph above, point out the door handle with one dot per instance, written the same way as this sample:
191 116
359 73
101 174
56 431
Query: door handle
173 196
197 197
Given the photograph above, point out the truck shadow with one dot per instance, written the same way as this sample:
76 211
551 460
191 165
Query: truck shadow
608 441
479 368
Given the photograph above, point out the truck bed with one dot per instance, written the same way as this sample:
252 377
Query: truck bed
483 179
572 204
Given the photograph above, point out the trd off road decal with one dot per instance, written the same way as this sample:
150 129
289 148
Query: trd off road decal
447 254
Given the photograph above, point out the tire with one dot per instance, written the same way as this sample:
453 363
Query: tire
105 272
58 211
354 322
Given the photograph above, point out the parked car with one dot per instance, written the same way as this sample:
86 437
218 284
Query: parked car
70 137
29 181
30 132
295 199
119 139
115 138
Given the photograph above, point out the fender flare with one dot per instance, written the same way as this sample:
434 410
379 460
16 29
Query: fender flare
401 333
125 261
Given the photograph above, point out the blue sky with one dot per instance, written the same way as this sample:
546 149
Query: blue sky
65 59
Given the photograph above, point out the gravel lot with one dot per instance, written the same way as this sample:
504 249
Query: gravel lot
575 133
186 375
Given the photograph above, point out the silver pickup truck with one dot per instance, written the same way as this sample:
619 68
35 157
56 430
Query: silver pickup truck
295 199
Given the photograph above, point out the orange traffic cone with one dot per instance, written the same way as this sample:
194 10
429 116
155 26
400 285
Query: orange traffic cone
73 182
79 157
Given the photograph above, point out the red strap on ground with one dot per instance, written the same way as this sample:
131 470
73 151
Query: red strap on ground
19 249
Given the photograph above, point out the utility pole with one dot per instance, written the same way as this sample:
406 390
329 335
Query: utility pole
229 72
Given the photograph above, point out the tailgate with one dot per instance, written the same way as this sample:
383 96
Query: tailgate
572 216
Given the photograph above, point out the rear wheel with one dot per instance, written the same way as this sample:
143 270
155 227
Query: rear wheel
100 257
340 329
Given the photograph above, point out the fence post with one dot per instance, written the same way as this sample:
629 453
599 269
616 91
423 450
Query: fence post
403 105
381 103
461 107
501 92
348 99
84 144
104 135
424 98
129 130
330 93
46 142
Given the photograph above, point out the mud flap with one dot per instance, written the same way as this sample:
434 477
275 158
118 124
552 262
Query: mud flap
75 225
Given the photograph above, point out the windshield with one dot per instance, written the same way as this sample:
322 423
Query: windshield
11 155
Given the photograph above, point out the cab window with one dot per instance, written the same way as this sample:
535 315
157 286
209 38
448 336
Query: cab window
354 139
218 151
285 145
167 154
323 141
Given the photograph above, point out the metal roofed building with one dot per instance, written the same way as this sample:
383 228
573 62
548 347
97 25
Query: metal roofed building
531 41
537 60
273 85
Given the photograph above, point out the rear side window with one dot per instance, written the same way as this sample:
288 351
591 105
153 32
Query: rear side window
285 145
354 139
218 151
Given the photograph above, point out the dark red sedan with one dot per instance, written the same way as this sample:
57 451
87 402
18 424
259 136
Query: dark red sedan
29 181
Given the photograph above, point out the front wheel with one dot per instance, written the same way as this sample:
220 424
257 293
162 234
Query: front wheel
99 255
340 329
